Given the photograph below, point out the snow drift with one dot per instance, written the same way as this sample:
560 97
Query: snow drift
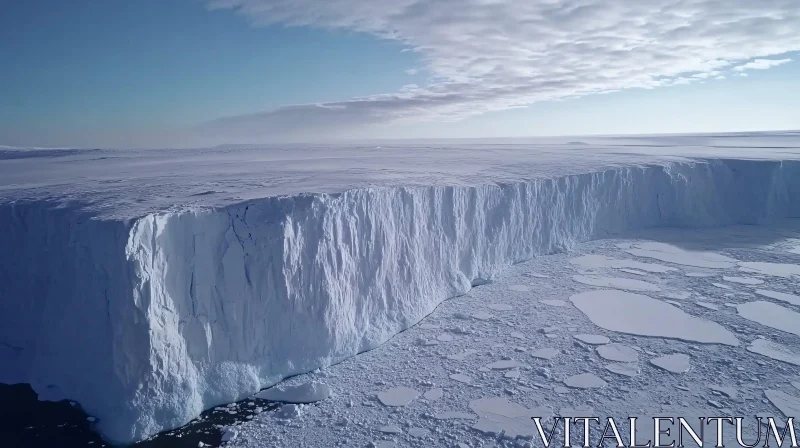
146 322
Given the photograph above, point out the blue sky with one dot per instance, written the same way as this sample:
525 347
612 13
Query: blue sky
190 72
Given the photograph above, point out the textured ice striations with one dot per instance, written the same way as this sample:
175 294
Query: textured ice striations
147 322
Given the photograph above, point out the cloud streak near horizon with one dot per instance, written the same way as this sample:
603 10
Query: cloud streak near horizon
487 55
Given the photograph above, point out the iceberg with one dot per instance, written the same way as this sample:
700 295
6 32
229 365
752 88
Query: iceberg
149 286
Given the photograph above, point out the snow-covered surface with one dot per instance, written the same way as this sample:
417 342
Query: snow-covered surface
150 285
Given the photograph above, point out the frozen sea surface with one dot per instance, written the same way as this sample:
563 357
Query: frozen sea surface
632 375
132 183
152 285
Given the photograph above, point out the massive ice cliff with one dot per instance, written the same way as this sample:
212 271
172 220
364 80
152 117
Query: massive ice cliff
148 321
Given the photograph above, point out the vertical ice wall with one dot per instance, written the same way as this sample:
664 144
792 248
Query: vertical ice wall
147 323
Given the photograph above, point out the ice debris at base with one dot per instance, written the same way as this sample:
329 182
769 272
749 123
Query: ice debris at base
229 434
304 393
198 299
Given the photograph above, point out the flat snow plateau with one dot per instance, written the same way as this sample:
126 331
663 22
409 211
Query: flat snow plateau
151 285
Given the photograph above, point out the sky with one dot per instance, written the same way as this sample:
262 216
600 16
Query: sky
186 73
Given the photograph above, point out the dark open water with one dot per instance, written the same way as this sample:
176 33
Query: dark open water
26 422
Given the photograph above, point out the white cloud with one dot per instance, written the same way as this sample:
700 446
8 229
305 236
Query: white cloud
412 71
762 64
489 55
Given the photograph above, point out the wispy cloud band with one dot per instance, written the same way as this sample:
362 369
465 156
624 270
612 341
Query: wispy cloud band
489 55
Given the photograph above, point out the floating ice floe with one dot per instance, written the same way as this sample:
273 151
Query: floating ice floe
390 429
580 411
444 337
775 351
602 261
398 396
771 315
519 288
677 295
708 305
628 369
463 355
676 363
418 432
545 353
461 378
616 282
789 405
289 412
499 307
304 393
644 316
503 365
672 254
617 352
592 339
785 297
585 381
728 391
434 394
481 315
454 415
785 270
500 416
554 302
700 274
229 434
721 286
743 280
